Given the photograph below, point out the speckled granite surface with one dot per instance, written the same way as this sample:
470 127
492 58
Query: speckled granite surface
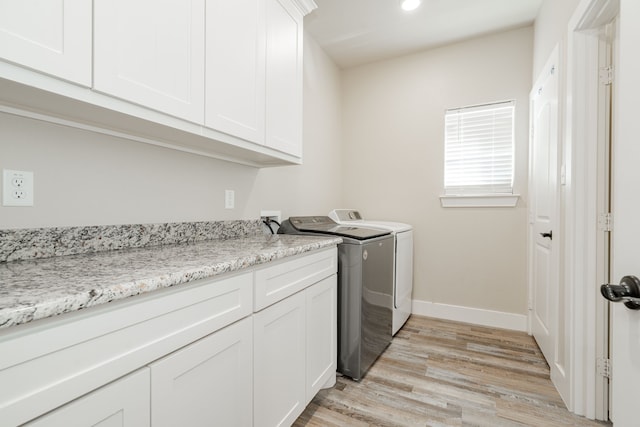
36 243
39 288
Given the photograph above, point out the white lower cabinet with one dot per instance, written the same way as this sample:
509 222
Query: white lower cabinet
279 362
322 329
208 382
199 355
122 403
294 353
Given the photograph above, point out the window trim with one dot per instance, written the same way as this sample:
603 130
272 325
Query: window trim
496 200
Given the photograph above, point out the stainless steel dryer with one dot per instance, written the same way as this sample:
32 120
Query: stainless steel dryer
403 275
365 289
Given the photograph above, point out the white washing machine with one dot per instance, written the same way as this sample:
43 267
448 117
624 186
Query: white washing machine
403 265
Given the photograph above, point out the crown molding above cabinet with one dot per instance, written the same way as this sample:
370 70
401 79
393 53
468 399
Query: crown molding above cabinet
141 80
305 6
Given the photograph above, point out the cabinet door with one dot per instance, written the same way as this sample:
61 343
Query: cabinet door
53 37
123 403
284 77
152 53
322 319
235 75
206 383
279 361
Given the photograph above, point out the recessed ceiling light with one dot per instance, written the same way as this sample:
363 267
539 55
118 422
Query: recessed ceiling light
409 5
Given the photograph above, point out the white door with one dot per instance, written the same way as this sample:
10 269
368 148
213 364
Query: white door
625 323
543 273
152 53
53 37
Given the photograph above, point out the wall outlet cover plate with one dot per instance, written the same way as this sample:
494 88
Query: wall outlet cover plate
17 188
229 199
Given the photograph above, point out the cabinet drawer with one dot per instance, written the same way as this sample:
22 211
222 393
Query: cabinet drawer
54 361
278 281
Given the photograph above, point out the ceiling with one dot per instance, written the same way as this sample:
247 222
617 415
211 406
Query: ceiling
355 32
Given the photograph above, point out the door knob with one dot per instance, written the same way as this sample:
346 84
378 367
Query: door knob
628 291
549 234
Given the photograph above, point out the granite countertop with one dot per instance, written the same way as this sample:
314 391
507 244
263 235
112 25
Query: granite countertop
32 289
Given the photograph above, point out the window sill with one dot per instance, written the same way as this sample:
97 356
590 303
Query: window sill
480 201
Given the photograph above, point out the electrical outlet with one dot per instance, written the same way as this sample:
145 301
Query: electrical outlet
272 215
229 199
17 188
271 220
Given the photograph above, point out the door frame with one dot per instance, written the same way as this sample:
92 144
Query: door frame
580 156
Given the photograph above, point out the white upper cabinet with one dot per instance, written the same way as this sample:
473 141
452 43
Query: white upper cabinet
254 71
219 78
284 77
50 36
152 53
200 354
235 101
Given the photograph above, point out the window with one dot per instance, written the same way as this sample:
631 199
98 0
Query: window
479 150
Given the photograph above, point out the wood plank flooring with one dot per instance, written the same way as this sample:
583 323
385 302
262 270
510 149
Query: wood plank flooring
443 373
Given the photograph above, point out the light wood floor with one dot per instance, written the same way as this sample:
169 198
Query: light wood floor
442 373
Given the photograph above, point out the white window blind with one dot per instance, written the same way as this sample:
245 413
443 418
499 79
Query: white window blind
479 149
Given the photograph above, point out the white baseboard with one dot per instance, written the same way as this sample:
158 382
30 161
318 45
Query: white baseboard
477 316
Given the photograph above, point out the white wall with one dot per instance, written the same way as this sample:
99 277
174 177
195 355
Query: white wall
550 28
314 188
82 178
393 113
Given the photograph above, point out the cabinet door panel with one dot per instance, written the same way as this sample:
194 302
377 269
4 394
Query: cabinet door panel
279 362
123 403
235 68
284 77
206 383
152 53
51 36
322 319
